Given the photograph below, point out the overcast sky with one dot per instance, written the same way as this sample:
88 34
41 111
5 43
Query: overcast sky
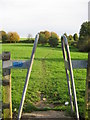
32 16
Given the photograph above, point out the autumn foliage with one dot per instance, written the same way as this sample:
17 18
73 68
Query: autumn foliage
13 37
48 37
54 39
44 37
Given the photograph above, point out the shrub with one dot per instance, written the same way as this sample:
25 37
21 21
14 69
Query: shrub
70 42
75 37
3 36
43 37
27 41
84 37
74 43
13 37
70 37
42 40
84 45
54 39
47 35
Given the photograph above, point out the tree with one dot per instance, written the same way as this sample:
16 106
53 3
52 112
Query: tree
3 36
47 35
84 37
70 37
13 37
44 37
54 39
29 37
75 37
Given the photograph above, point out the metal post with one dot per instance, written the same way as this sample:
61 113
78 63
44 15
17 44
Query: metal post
28 76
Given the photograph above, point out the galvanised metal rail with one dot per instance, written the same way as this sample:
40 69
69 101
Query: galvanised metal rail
69 70
28 76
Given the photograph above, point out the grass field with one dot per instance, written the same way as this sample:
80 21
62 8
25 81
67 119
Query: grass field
48 76
21 39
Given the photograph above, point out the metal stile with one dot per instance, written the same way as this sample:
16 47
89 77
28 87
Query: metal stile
8 64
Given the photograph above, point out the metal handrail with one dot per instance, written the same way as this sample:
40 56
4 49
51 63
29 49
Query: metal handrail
66 46
65 40
28 76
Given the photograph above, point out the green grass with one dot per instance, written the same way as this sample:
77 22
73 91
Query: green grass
21 39
48 76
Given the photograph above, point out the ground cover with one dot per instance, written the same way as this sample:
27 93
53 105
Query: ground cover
47 78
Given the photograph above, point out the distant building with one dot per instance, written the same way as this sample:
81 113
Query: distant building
89 11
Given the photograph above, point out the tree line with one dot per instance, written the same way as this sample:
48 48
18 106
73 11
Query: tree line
82 42
53 39
9 37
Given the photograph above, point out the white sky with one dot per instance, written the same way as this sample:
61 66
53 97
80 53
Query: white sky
32 16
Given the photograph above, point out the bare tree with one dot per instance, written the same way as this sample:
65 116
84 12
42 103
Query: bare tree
29 37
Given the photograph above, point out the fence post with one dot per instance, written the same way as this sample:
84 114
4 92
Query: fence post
6 81
87 99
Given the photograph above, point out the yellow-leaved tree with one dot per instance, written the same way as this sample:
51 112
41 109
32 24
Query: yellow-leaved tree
13 37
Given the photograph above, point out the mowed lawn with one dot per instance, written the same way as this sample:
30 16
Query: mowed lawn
48 76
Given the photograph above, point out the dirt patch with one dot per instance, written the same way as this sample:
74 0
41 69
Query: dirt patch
47 114
44 104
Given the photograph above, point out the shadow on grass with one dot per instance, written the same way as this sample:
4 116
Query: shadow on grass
72 48
59 48
50 59
21 45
